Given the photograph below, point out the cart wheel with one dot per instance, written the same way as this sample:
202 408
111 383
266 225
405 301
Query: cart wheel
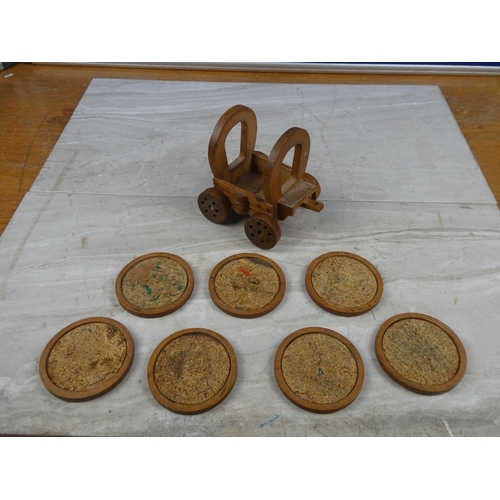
214 205
263 231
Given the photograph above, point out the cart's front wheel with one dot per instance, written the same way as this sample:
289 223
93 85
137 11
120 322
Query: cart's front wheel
214 205
263 231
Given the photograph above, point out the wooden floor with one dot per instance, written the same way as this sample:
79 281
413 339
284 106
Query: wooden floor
37 101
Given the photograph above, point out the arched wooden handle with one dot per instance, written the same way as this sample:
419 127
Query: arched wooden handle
272 185
217 155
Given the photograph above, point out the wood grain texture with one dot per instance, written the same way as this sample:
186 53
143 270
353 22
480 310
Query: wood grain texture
38 100
266 191
217 155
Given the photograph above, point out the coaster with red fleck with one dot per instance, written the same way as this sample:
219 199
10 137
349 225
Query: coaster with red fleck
247 285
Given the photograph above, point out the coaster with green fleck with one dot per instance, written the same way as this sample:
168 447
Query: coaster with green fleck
154 285
319 370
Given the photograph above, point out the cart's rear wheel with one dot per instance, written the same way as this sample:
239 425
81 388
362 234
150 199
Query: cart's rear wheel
214 205
263 231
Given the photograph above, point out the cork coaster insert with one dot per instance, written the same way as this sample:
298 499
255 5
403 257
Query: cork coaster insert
86 359
154 284
420 353
247 285
344 283
192 371
319 370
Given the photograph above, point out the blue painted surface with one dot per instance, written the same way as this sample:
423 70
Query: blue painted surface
270 421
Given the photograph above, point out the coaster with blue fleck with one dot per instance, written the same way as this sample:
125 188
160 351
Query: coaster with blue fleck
154 285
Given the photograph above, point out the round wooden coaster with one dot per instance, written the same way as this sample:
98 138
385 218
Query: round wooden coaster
86 359
319 370
344 283
154 285
420 353
247 285
192 371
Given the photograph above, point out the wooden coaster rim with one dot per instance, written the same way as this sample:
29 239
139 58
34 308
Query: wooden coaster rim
409 384
242 313
340 310
162 311
308 405
192 409
101 387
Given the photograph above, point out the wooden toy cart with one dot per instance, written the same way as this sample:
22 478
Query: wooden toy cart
255 184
